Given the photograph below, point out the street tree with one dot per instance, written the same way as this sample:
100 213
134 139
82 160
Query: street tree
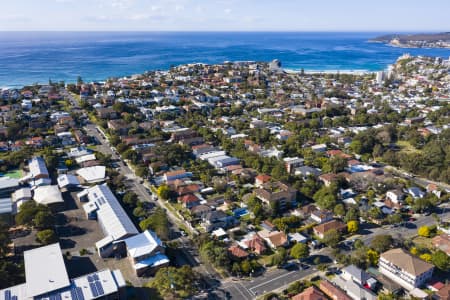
299 251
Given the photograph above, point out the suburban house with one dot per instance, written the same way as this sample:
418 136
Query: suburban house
237 253
217 219
277 193
311 293
119 126
442 242
394 198
255 244
177 174
333 291
189 200
262 179
274 239
416 192
291 163
321 229
405 269
321 216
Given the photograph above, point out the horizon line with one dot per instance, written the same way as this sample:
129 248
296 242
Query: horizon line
226 31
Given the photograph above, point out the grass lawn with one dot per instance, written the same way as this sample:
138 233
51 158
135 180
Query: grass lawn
405 146
423 242
14 174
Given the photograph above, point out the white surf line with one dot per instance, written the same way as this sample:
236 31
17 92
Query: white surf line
269 281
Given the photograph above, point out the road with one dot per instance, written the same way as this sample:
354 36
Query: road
272 280
143 193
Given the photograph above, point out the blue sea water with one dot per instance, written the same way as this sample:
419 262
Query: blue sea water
29 57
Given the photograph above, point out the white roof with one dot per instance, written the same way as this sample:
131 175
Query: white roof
297 237
7 182
214 159
211 154
67 179
37 167
104 242
110 213
142 244
45 270
219 232
92 174
78 151
47 194
84 158
23 193
152 261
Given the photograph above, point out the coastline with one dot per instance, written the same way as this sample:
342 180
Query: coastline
287 70
323 72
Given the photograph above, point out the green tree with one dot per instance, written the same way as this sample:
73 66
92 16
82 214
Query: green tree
130 199
44 219
441 260
381 242
325 197
157 222
175 283
339 210
246 267
163 192
5 240
299 251
46 237
331 238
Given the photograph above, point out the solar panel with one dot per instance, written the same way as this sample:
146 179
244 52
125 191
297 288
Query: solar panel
73 293
80 294
96 276
7 295
58 296
14 298
93 289
90 279
99 286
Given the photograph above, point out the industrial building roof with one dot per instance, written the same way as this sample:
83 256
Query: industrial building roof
110 213
47 194
142 244
92 174
37 167
45 270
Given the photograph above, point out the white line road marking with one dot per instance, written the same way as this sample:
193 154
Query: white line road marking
269 281
240 292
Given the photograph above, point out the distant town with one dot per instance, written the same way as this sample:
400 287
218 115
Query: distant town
432 40
230 181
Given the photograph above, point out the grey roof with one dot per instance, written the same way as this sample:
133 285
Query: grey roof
7 183
357 273
5 206
110 213
37 167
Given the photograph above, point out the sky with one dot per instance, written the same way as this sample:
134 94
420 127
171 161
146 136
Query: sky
226 15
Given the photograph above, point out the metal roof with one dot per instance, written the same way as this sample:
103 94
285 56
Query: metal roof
110 213
37 167
45 270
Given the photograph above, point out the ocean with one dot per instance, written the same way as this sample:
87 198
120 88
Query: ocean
36 57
